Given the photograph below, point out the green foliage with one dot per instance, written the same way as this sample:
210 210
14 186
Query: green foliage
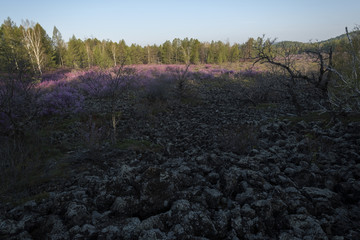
194 55
13 55
166 52
234 53
248 49
59 47
76 56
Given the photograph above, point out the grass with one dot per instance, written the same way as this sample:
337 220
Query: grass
138 145
20 185
322 117
37 198
39 157
261 106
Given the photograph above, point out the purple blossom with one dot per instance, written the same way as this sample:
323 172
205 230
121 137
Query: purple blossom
63 99
64 91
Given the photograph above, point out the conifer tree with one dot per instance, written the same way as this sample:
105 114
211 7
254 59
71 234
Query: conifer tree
59 47
76 54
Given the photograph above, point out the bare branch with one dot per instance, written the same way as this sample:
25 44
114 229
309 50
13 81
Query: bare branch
354 57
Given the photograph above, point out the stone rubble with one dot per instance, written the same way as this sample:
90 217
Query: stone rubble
224 171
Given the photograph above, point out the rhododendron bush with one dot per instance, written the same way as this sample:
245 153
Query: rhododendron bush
65 92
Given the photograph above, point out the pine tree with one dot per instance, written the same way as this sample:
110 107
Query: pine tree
76 54
167 53
234 53
194 56
59 47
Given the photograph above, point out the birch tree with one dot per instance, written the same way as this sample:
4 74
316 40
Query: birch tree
113 52
34 45
13 55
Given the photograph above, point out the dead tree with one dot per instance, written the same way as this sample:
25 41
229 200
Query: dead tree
344 92
283 58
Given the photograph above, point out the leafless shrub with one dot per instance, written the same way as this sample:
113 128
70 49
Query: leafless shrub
181 79
18 106
302 88
94 132
344 90
110 88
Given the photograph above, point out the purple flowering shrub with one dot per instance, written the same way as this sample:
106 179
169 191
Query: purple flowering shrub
94 84
63 99
107 83
65 92
158 90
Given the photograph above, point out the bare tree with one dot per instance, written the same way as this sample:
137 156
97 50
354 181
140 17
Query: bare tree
344 90
298 84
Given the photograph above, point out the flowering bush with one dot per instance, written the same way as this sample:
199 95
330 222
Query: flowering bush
65 91
62 99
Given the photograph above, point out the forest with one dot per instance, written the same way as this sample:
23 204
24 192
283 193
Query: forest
28 48
183 140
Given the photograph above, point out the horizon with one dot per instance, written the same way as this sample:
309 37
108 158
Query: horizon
148 23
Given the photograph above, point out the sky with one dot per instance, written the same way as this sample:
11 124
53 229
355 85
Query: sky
155 21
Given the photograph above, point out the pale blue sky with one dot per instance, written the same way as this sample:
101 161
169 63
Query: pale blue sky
154 22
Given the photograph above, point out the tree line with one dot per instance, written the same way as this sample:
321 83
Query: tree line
28 48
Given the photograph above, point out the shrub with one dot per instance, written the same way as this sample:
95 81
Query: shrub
18 106
64 99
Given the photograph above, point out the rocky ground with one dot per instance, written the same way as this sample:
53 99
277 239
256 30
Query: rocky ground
216 169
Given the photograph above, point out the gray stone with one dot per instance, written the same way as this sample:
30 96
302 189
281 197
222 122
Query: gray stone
24 236
318 193
77 214
247 211
304 225
152 222
110 232
56 228
213 197
152 234
236 224
246 197
129 230
221 221
181 205
9 227
125 206
89 230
